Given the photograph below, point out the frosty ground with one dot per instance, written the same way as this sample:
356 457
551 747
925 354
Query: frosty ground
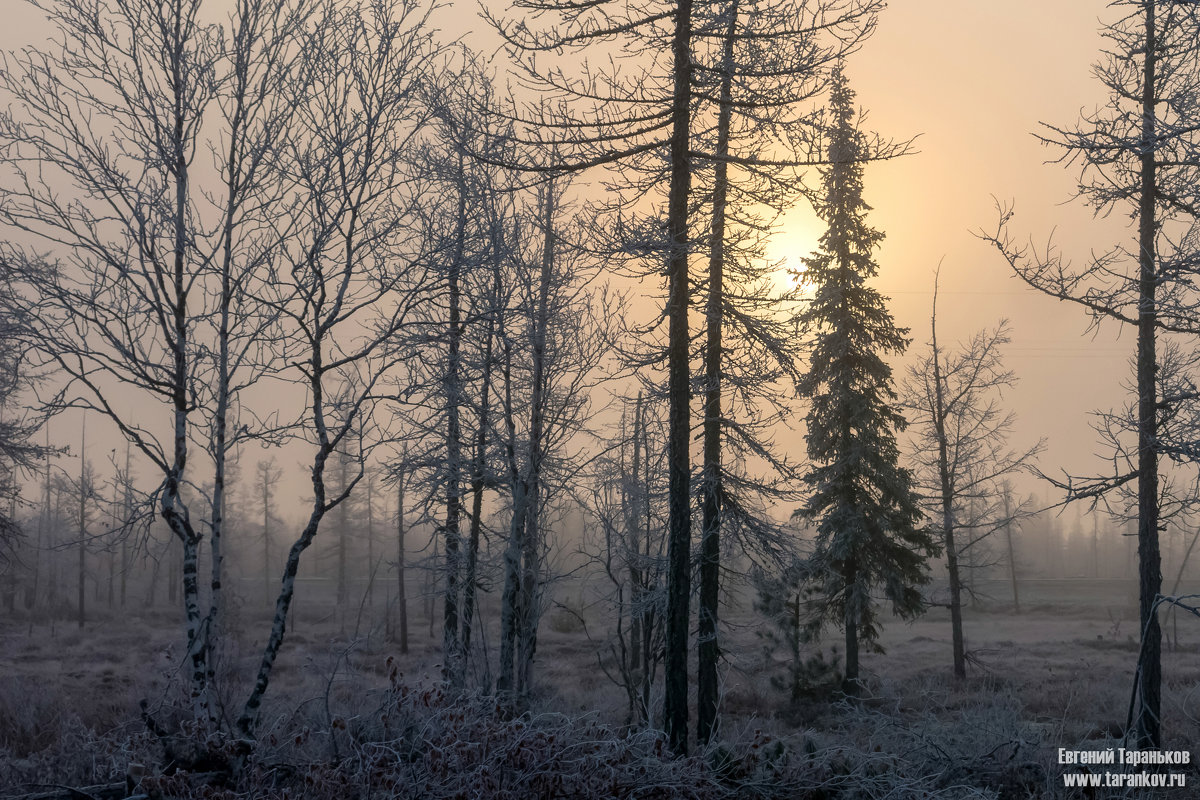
1057 675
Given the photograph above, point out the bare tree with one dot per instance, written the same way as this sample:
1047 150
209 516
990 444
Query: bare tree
256 66
401 561
552 344
149 296
960 449
86 495
360 260
629 511
1139 153
499 215
114 311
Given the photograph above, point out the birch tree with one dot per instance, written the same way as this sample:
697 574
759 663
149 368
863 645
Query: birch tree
446 400
113 307
256 68
552 344
629 511
360 262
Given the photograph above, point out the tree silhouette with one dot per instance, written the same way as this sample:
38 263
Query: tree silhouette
862 500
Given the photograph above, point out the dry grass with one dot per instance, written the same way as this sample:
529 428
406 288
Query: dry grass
1056 676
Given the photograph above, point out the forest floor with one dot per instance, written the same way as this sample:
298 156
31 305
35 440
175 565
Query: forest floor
1058 675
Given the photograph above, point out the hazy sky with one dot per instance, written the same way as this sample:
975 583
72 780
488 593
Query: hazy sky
973 78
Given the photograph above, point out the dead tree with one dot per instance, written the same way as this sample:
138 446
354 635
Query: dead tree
643 109
627 505
960 449
552 342
1137 154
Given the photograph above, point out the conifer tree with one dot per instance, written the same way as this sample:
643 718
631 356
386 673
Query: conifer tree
1138 155
862 502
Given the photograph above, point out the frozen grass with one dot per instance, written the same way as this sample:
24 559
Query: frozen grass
348 717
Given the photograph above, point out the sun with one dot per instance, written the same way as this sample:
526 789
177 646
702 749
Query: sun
793 239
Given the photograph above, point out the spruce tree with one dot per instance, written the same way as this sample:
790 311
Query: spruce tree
862 502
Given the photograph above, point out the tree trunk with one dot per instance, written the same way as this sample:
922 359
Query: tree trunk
82 519
173 510
708 646
451 657
477 469
220 450
510 599
112 571
679 526
266 504
1012 554
650 620
956 627
43 530
401 590
371 540
430 589
248 720
531 568
1147 724
946 485
633 554
530 599
850 683
343 523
